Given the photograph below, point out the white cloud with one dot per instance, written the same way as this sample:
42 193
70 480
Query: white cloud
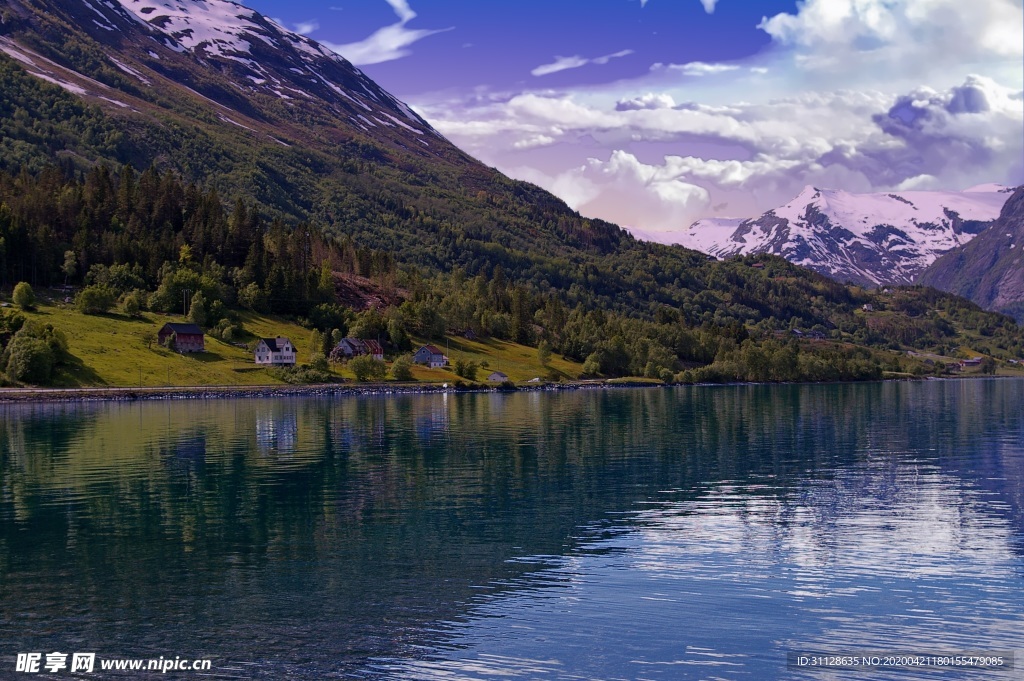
387 43
307 27
857 141
839 101
912 37
560 64
709 5
697 68
402 9
646 101
630 193
575 62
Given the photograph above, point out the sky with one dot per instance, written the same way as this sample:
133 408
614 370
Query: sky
656 113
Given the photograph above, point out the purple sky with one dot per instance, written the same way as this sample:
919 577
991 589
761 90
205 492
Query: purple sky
655 113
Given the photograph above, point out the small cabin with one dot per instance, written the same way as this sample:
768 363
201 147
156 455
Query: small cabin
275 352
182 337
374 349
498 377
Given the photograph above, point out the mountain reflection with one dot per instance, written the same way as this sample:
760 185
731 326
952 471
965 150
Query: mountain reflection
321 534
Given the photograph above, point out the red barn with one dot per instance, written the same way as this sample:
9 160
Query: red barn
182 337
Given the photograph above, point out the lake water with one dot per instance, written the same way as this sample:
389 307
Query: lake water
685 533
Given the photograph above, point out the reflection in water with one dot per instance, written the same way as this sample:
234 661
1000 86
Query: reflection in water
683 533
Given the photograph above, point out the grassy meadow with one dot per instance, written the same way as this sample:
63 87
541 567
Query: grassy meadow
114 350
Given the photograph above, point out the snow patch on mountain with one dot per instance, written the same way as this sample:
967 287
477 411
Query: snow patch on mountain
875 239
270 57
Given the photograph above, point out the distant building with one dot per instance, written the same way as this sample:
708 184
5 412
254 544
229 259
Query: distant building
972 362
275 352
350 347
868 307
182 337
758 265
498 377
347 348
469 334
430 356
374 349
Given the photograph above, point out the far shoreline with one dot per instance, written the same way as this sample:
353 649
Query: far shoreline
11 396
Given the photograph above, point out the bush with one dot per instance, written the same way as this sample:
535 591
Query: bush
401 370
317 362
95 299
131 303
367 368
24 297
303 374
466 369
228 331
29 359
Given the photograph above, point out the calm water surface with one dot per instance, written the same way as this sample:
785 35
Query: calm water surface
689 533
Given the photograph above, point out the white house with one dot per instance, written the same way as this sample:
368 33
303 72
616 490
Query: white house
431 356
275 351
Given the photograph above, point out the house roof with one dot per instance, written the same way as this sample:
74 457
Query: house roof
276 344
497 376
432 350
184 329
373 347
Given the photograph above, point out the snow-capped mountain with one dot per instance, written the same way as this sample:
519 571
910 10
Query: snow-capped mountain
226 53
990 269
870 239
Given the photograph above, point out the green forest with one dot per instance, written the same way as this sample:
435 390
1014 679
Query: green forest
129 241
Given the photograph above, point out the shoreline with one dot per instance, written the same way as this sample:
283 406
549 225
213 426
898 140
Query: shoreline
128 394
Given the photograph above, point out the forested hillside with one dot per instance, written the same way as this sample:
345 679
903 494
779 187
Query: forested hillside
158 182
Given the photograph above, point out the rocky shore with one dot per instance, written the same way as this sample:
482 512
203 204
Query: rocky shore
267 391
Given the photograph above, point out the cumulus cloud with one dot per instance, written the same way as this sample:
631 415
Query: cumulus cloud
913 36
575 62
631 193
854 140
387 43
840 100
646 101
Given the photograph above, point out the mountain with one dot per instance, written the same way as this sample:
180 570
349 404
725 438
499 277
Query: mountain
226 97
155 44
868 239
990 269
195 154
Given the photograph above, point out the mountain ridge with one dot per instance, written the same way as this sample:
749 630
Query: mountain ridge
990 269
872 239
